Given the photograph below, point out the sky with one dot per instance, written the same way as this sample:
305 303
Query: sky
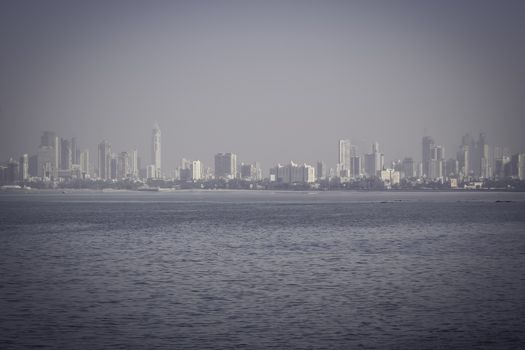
271 81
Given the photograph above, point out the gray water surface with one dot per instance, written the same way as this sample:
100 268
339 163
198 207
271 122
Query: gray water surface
247 270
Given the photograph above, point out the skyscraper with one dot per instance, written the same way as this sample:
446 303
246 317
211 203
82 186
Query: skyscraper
74 152
48 159
104 160
123 165
226 165
134 163
357 166
66 154
426 154
521 166
485 168
408 168
23 167
84 163
321 170
344 155
435 167
374 161
114 166
156 151
196 173
463 158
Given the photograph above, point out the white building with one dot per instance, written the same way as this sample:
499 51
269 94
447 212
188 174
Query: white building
344 156
134 163
390 177
156 151
151 172
196 170
293 173
23 171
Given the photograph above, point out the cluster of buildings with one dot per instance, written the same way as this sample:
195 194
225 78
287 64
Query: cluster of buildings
475 160
58 160
55 158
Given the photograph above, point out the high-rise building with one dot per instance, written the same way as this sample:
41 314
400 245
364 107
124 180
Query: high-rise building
475 158
426 156
74 152
33 165
48 157
123 166
156 151
435 170
485 167
345 149
185 173
521 166
321 170
463 158
357 166
65 154
23 168
84 163
247 171
374 161
134 164
251 172
12 172
408 168
196 170
150 171
226 165
113 166
258 171
104 160
46 166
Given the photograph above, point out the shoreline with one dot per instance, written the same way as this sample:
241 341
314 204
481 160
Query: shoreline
218 190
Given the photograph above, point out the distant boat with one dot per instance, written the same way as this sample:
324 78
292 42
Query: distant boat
149 189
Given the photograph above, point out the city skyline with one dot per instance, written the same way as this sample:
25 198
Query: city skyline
217 76
346 150
62 159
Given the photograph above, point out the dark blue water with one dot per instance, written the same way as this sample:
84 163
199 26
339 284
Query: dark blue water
248 270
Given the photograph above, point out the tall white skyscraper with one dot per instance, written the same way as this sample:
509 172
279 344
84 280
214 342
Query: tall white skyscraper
344 154
133 163
155 151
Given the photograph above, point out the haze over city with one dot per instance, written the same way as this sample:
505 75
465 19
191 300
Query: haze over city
262 174
270 81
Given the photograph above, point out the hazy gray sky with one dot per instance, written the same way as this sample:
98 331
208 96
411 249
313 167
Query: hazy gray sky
268 80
